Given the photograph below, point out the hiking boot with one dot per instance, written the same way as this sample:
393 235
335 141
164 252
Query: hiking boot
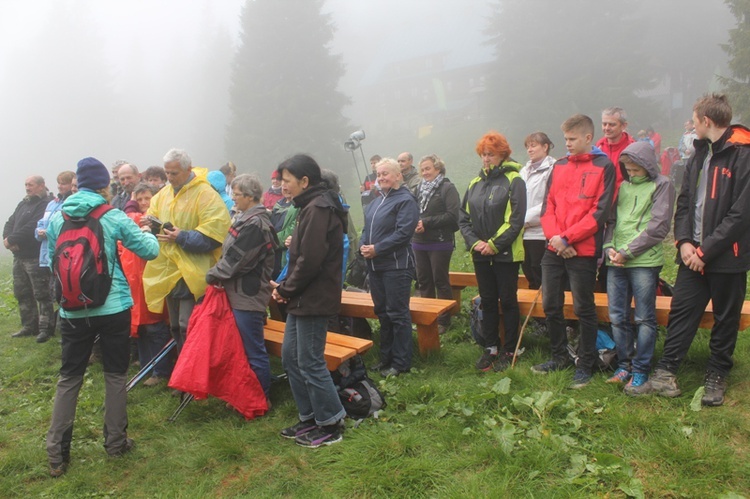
620 376
58 470
503 362
552 365
636 381
581 378
715 385
127 447
43 337
299 429
153 381
486 360
321 435
23 332
662 383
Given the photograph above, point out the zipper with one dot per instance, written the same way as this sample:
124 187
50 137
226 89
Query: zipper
635 204
713 187
736 247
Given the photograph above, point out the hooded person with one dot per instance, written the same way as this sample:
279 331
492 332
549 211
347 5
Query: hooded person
109 321
219 182
633 240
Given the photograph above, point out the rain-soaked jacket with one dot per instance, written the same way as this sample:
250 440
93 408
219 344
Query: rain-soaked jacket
493 210
116 227
195 207
641 220
726 225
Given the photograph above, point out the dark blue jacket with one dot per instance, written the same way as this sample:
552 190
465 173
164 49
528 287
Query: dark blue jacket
390 221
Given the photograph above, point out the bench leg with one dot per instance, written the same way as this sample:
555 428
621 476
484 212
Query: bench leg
457 298
428 338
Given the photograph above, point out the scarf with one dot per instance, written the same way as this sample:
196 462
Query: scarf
426 190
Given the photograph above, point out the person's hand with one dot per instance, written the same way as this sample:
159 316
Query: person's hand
686 251
6 244
169 236
558 244
480 247
488 251
361 188
368 251
288 241
695 263
275 294
42 233
616 258
568 252
420 227
145 228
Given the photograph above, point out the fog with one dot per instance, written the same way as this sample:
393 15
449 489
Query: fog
120 79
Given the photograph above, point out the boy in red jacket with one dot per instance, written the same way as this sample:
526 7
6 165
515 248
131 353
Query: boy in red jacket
579 197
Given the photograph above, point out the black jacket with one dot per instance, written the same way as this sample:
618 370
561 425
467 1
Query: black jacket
313 283
19 229
440 218
726 225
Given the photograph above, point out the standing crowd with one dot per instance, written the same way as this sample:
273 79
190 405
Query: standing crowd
594 219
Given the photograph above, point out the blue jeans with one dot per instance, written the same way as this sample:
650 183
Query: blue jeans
250 325
151 339
390 290
303 358
635 341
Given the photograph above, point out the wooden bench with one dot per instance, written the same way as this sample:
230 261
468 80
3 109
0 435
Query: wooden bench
339 347
424 313
663 304
461 280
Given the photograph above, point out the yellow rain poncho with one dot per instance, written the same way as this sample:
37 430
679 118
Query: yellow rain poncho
195 207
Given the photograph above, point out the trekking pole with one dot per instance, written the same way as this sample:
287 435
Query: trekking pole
150 366
186 399
523 328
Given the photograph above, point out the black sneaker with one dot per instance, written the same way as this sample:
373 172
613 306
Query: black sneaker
299 429
42 337
552 365
503 362
715 385
321 435
581 378
22 333
486 360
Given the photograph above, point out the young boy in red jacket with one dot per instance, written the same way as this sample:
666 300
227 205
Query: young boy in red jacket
579 197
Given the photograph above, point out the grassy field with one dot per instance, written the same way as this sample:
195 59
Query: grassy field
448 431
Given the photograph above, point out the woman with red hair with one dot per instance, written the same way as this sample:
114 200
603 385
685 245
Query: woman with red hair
491 221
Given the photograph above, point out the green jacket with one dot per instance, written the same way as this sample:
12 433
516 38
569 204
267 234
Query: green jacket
493 210
642 219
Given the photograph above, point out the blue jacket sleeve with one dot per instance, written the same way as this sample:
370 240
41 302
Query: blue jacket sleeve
193 241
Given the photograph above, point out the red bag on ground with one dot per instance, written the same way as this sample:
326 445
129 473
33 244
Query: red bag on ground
213 361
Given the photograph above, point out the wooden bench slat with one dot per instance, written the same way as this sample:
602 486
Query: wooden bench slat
335 355
361 345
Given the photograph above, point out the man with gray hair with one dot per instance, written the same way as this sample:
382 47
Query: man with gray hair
30 281
194 222
616 139
128 177
408 171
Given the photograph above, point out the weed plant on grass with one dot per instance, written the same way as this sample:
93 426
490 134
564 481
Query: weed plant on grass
448 431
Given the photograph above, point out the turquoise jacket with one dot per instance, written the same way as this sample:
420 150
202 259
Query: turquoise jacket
645 205
117 226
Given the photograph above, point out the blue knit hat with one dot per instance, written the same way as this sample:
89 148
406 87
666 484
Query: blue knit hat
92 174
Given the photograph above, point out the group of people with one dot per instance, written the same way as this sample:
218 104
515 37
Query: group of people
558 220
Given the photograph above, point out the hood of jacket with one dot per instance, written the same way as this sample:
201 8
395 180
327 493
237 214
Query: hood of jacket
82 202
496 171
328 199
217 180
643 154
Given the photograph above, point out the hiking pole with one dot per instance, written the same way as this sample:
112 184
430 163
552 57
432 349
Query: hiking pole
186 399
523 328
151 364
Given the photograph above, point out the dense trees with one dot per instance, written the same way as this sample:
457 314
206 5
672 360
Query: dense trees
284 97
738 48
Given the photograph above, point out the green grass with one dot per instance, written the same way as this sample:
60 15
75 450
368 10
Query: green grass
448 431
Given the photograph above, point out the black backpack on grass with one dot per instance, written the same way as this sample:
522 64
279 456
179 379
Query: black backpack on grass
358 394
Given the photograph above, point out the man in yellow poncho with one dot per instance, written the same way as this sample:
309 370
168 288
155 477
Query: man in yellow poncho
196 222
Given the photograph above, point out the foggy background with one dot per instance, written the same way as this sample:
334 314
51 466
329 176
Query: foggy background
131 79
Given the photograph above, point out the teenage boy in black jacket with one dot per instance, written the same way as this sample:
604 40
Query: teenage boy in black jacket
712 234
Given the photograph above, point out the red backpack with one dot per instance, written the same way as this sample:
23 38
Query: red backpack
82 279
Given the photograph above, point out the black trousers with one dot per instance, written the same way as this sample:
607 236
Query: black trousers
692 291
498 281
580 272
532 264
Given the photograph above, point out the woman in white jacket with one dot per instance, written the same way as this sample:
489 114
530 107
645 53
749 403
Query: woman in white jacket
535 174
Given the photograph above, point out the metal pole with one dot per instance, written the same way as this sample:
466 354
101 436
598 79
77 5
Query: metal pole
150 366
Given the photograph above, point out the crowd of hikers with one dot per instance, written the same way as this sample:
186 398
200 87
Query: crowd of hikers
130 259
